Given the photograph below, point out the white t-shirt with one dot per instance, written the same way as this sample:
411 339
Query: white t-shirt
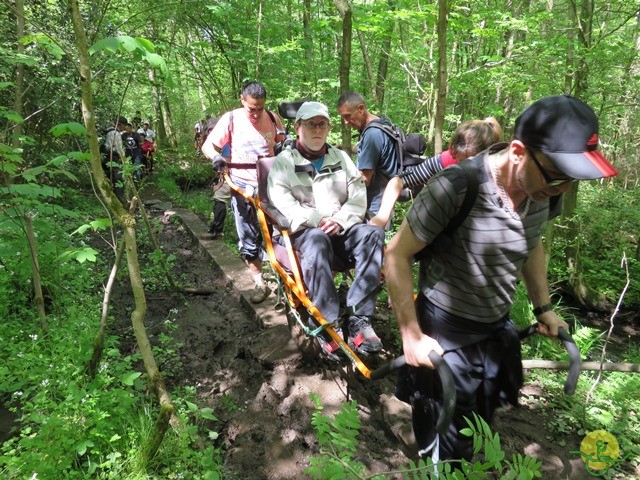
150 134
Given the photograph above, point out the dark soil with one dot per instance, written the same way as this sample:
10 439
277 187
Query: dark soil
259 384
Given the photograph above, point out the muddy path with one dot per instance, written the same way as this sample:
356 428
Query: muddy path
244 364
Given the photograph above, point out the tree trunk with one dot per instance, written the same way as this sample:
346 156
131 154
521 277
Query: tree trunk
441 102
383 64
168 121
258 49
157 109
308 42
98 343
586 295
38 297
19 79
127 222
368 69
346 13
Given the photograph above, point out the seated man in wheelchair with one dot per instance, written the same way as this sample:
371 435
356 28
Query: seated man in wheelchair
319 190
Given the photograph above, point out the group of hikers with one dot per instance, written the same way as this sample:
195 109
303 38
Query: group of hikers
134 142
467 275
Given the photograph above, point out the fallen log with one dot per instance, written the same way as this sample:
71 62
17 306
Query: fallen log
596 366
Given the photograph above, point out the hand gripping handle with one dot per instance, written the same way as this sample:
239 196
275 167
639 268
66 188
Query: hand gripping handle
446 378
575 361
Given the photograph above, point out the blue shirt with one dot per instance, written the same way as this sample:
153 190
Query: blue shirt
377 151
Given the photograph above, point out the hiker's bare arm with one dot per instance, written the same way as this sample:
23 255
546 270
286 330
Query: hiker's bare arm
534 274
367 175
389 197
209 149
398 274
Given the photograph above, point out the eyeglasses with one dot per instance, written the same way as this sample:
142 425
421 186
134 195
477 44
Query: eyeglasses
551 182
314 125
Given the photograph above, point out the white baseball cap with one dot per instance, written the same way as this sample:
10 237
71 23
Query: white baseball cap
312 109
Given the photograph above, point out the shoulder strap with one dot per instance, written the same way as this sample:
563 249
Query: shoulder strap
471 174
275 124
394 132
444 238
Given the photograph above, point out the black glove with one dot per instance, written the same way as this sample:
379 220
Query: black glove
219 163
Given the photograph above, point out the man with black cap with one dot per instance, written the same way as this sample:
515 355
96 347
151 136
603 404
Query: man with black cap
467 285
322 194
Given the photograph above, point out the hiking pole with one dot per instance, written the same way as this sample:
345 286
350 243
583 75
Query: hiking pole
575 361
446 379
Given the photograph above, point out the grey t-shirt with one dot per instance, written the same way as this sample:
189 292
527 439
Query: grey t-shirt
473 275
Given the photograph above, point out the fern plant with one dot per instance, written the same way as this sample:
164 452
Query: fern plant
337 459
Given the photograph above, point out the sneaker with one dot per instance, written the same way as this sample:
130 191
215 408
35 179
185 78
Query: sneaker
259 294
328 346
362 337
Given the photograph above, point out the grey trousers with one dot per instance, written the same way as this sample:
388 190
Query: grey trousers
361 245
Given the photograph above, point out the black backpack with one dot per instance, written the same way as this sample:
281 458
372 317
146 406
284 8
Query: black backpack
409 150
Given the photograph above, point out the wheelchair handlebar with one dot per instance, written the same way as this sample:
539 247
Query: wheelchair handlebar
446 379
575 361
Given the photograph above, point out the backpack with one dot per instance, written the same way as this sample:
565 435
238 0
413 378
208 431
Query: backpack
278 147
409 151
103 148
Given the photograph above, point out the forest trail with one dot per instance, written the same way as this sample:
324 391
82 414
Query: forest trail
245 365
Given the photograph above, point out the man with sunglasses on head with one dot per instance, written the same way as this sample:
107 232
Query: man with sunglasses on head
252 133
321 193
467 283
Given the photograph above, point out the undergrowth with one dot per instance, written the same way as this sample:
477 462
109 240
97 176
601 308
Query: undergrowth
339 457
68 425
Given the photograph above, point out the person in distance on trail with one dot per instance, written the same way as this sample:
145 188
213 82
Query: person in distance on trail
377 158
114 155
147 153
252 133
132 142
198 130
469 138
221 196
148 133
467 286
319 190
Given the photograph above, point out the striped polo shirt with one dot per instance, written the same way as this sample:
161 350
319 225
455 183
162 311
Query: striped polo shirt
474 274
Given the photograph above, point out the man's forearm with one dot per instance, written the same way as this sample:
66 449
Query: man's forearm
534 274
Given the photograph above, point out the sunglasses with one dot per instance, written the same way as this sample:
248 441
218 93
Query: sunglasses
551 182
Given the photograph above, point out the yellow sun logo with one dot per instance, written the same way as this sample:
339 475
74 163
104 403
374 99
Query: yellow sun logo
599 450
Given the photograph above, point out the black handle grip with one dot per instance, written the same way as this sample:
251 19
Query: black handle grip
448 386
387 368
575 361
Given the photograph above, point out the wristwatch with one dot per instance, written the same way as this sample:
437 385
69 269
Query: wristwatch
542 308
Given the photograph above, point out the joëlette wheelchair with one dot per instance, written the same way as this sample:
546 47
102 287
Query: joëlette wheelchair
305 321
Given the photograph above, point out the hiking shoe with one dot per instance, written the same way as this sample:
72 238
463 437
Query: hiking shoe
362 337
329 348
259 294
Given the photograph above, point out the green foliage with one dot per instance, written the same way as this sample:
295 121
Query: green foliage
68 425
338 459
607 220
337 439
140 48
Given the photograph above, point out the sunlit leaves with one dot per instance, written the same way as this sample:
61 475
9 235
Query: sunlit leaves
70 128
140 48
95 225
45 41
